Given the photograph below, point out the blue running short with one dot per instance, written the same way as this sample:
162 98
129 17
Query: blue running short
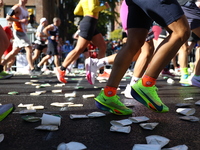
143 12
192 12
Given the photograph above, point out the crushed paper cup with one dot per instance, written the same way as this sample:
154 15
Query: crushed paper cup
190 118
47 127
35 84
75 105
35 94
126 129
179 147
186 111
183 104
33 80
74 116
71 146
146 147
46 85
24 105
170 81
57 104
1 137
88 96
96 114
59 85
13 93
138 119
157 140
70 94
197 103
149 126
56 91
35 107
188 98
31 118
50 120
27 111
29 83
121 123
42 92
128 102
102 81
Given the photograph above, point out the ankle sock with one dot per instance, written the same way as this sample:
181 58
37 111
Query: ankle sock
110 91
134 80
184 71
62 68
148 81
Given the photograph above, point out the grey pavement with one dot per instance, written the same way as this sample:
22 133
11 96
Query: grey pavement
94 133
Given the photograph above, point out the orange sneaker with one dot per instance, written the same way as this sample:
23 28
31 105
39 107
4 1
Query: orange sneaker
60 75
103 76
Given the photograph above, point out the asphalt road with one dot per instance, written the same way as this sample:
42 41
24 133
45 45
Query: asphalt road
94 133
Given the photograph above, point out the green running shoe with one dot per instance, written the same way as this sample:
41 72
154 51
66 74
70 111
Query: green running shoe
185 80
4 75
148 97
111 104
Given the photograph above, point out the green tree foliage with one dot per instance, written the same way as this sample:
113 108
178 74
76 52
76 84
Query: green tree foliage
106 16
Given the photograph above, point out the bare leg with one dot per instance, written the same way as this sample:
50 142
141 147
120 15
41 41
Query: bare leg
183 55
29 57
56 61
4 42
166 50
74 54
125 55
10 55
36 54
144 59
98 41
44 59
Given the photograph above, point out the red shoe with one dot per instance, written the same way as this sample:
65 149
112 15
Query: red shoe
167 74
60 75
103 76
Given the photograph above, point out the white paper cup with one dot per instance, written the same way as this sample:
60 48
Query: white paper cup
186 111
170 81
126 129
50 120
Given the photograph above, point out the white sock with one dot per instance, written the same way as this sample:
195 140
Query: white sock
44 67
134 80
38 65
102 62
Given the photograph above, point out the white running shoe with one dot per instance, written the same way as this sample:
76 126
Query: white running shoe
91 69
195 80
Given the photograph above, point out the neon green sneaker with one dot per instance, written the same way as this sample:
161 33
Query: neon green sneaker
148 97
111 104
185 80
4 75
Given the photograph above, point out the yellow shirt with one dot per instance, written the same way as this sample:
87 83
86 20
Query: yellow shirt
89 7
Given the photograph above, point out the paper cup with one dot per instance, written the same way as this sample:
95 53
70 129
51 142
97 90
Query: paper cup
50 120
186 111
126 129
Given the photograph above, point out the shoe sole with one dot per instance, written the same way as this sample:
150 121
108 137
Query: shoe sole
140 98
105 107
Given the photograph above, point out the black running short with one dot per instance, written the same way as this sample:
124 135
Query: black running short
88 28
143 12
